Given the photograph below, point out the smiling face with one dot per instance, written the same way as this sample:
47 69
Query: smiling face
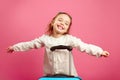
61 24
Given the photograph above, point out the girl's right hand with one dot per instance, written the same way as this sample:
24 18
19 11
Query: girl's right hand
10 49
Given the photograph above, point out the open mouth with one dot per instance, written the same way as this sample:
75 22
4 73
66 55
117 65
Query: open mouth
60 27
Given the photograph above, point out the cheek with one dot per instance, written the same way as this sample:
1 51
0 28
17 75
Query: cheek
54 24
67 27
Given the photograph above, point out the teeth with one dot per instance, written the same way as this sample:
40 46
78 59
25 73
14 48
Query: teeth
60 27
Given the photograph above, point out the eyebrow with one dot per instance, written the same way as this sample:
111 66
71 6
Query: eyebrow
60 18
65 21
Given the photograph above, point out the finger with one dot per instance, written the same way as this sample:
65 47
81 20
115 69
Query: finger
107 53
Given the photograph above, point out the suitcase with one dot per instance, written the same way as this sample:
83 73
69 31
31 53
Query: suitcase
61 76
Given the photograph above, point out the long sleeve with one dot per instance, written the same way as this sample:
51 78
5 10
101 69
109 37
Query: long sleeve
24 46
84 47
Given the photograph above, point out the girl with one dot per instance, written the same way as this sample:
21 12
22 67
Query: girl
58 34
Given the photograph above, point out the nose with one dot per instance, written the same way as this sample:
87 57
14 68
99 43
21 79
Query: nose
62 23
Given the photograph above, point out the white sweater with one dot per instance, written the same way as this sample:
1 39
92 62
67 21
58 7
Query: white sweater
57 61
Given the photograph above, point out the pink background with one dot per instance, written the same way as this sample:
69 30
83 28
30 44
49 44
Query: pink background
94 21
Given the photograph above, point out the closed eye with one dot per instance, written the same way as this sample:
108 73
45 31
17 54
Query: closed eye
66 24
60 19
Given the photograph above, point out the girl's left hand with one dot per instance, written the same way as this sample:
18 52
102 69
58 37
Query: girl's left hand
105 54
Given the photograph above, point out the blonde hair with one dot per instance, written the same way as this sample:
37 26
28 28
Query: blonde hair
50 27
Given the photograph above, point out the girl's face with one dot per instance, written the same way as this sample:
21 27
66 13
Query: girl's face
61 24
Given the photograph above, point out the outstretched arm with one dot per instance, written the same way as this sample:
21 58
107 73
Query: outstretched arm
88 48
24 46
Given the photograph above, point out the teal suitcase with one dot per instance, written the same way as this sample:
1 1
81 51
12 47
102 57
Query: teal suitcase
60 78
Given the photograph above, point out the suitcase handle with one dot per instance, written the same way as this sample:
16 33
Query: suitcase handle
69 48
